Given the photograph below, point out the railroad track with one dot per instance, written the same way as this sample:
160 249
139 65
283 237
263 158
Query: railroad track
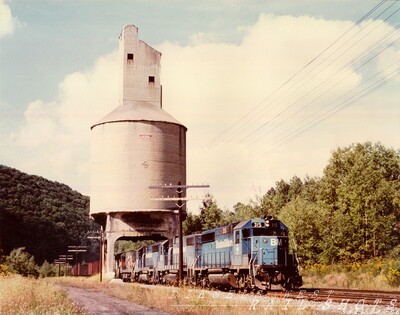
363 297
389 299
324 301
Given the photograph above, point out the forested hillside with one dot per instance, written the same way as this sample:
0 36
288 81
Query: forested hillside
351 213
41 215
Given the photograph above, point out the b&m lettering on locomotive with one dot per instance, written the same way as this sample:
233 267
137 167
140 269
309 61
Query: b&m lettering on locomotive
276 242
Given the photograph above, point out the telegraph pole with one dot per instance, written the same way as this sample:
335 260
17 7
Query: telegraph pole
76 250
59 263
180 203
62 260
98 235
180 234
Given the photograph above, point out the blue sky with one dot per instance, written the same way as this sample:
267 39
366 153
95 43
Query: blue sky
55 37
220 60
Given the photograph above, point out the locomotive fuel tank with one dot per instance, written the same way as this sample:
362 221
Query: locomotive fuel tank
171 278
227 280
144 278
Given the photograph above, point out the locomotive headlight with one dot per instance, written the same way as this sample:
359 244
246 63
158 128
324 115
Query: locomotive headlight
265 241
267 223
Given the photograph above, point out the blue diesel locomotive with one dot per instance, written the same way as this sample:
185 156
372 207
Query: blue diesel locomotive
249 255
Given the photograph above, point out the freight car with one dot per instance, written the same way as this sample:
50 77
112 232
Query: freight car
248 255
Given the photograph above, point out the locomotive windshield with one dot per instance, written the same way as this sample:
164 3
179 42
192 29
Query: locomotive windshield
269 232
272 228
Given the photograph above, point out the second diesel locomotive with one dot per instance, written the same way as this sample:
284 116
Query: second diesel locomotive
251 255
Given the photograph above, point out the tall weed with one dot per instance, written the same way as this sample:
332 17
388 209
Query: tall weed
20 295
374 274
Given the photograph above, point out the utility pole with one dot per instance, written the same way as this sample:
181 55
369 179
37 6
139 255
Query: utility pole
180 202
180 234
59 263
62 260
76 250
98 235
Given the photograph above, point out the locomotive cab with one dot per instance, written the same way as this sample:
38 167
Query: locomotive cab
262 246
270 243
264 241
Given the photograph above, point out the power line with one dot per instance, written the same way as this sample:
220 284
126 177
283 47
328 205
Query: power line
320 70
370 89
249 116
360 57
321 85
346 102
247 127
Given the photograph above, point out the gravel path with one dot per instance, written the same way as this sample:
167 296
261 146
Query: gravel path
95 302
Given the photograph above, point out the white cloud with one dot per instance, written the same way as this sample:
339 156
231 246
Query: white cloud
86 97
210 85
40 125
7 21
54 139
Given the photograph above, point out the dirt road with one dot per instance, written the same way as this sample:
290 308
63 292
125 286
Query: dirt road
95 302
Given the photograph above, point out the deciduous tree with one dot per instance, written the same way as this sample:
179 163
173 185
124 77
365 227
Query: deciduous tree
359 187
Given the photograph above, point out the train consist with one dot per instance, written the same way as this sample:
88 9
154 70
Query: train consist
249 255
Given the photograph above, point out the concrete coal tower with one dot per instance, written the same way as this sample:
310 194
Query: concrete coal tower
135 146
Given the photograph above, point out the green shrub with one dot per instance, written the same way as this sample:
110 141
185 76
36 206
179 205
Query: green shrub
4 270
391 270
23 263
48 270
377 273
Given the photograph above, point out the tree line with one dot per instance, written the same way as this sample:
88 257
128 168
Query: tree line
42 216
350 213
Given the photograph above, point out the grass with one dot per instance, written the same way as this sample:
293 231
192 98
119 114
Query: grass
375 274
19 295
360 281
369 276
184 301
